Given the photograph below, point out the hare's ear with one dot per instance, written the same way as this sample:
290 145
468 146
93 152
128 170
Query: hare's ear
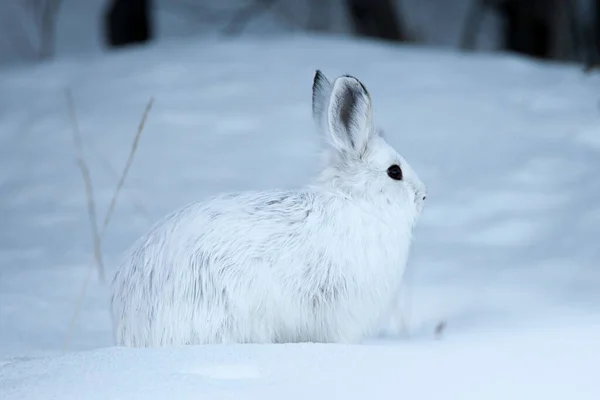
349 115
321 90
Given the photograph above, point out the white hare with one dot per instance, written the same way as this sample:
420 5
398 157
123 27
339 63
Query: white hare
318 264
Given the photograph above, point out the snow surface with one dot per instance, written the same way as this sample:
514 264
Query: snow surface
506 253
532 365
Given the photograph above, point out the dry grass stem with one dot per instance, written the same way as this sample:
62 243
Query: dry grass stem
111 207
85 172
132 151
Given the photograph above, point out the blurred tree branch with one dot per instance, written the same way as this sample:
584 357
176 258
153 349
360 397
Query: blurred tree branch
34 39
475 15
47 12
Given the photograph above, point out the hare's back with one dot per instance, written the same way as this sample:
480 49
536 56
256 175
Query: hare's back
237 222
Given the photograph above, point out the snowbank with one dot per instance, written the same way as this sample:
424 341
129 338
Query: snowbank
549 364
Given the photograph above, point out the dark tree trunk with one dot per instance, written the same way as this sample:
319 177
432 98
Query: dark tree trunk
540 28
592 59
597 30
376 18
128 22
526 28
547 29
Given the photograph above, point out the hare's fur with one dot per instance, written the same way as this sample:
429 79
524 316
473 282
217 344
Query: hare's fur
318 264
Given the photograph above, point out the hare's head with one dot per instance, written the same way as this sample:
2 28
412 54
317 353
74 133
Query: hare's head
361 162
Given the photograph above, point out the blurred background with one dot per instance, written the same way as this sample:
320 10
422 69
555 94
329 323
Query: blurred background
558 30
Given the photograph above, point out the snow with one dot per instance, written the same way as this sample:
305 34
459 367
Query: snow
468 368
506 253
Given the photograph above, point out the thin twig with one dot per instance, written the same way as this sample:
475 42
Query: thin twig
134 146
85 172
137 204
113 202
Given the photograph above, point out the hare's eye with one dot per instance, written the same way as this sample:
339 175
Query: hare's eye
395 172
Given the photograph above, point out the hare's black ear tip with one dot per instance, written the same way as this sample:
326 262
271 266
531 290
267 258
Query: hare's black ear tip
319 79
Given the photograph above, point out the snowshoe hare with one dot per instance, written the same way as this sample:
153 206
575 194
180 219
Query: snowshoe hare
318 264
